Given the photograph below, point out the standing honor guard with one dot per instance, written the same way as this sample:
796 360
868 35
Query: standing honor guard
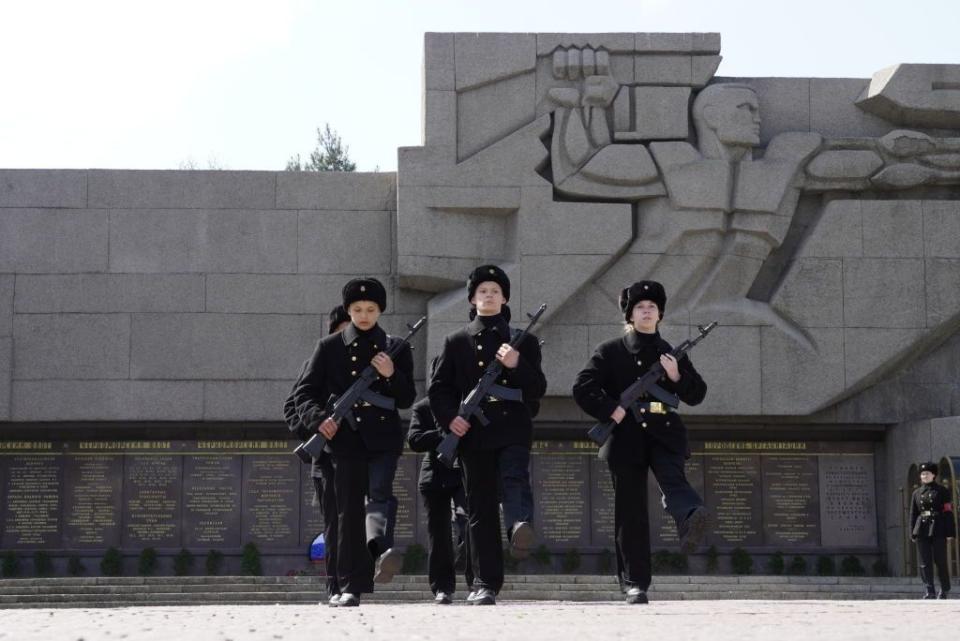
375 443
321 467
647 437
500 450
931 513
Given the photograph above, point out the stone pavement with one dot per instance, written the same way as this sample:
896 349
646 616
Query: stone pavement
530 621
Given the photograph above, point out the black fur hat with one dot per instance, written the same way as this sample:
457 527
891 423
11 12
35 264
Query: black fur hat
485 273
338 315
644 290
929 467
365 289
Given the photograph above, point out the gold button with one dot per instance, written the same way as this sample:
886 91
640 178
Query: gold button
504 381
480 363
358 420
376 347
383 418
353 373
643 410
353 358
668 423
354 344
639 363
479 346
641 424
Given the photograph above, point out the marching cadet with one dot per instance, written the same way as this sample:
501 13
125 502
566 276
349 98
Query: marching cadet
499 451
657 442
321 468
439 486
336 363
931 513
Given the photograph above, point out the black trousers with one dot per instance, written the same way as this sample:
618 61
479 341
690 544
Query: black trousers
442 559
381 507
354 563
933 550
678 497
327 499
482 478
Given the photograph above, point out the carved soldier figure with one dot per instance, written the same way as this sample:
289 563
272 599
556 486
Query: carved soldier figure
376 443
931 515
500 451
657 442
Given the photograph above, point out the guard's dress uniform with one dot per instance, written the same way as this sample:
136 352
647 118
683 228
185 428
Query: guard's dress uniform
439 485
931 514
321 471
658 442
498 452
334 366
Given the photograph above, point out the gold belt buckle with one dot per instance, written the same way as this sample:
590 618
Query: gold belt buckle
656 407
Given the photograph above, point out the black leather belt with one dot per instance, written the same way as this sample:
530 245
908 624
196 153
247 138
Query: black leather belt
654 407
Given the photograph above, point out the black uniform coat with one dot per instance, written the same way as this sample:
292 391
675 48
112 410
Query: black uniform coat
465 355
425 436
290 416
336 363
616 365
936 499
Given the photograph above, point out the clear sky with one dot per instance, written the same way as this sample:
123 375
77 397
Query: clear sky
243 85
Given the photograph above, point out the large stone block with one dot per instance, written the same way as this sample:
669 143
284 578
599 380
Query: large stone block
482 58
883 292
345 242
337 190
221 346
245 400
727 350
942 276
678 42
940 365
838 233
71 346
620 42
43 188
438 61
834 114
491 112
915 95
552 228
798 380
439 125
872 353
6 304
203 241
565 352
592 305
662 69
53 241
555 279
945 436
811 294
661 112
277 293
941 228
124 189
107 401
6 365
892 228
109 293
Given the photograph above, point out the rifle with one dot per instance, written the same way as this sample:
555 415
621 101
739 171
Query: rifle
647 384
341 408
486 386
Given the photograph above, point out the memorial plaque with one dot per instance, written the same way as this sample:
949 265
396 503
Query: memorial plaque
601 504
31 491
311 521
93 501
848 513
791 501
560 479
405 489
271 500
151 500
663 529
732 483
211 500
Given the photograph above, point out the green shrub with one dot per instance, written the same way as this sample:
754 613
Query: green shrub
214 562
571 561
741 562
851 566
250 560
826 566
112 563
75 566
798 566
605 561
510 564
147 564
42 563
775 564
10 566
414 559
183 562
541 556
667 562
880 568
713 560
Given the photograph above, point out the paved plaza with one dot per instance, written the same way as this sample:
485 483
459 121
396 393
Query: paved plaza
688 621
